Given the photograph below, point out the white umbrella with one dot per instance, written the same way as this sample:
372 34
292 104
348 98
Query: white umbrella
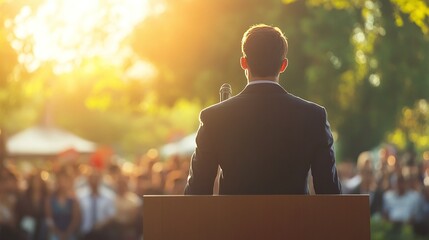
184 146
40 140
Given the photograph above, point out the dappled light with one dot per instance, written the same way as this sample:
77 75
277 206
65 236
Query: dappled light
131 59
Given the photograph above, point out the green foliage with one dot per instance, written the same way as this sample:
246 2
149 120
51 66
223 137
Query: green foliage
385 71
94 102
365 61
12 75
381 230
196 44
413 127
417 10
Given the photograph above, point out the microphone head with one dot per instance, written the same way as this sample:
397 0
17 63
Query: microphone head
225 92
225 87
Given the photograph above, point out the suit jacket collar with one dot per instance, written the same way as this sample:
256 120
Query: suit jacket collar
263 89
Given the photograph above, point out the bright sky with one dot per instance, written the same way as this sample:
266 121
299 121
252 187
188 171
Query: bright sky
66 31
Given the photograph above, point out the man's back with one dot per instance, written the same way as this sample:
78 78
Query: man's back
265 141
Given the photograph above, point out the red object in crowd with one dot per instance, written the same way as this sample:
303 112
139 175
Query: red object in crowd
99 157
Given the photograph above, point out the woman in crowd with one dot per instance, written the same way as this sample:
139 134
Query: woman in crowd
62 210
30 210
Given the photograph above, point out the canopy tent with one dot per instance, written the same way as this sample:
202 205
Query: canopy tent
184 146
42 140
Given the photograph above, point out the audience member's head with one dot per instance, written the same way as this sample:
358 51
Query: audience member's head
364 162
94 180
401 186
36 184
63 183
10 180
122 184
175 183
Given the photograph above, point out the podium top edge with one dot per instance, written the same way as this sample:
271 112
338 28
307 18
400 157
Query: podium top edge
262 196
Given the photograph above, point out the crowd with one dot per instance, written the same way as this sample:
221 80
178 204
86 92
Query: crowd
84 201
79 200
397 184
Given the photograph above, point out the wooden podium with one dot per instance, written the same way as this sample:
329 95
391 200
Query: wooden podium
256 217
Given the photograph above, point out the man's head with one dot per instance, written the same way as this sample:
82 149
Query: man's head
94 180
401 185
264 51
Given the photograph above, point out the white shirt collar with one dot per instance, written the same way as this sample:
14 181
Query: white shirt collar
261 81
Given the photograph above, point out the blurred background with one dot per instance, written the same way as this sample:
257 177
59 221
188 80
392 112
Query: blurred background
107 93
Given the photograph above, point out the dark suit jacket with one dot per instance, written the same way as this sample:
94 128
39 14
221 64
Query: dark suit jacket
266 141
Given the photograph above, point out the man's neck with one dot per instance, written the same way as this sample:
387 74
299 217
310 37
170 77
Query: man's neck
262 81
251 78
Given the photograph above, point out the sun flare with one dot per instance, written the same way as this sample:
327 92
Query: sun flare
64 32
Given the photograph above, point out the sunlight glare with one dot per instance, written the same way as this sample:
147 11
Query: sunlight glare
141 70
65 32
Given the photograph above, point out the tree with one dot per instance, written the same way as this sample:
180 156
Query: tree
391 46
341 55
196 45
346 55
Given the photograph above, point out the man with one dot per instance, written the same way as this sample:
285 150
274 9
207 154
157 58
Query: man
401 204
264 139
97 207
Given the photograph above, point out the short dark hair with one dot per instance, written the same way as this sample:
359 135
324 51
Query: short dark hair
264 47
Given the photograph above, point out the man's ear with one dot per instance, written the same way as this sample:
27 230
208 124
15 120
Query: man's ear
284 65
243 63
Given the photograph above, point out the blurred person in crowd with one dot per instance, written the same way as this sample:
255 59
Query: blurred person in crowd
185 167
97 208
8 199
365 162
383 155
421 221
421 171
112 176
346 171
80 179
400 204
415 181
143 183
158 176
147 164
30 208
382 169
424 168
361 181
62 210
395 170
365 183
175 183
173 163
127 205
144 186
384 176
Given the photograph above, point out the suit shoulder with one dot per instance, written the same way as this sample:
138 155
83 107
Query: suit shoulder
217 108
208 112
306 104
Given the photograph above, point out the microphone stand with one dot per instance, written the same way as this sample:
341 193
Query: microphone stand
225 92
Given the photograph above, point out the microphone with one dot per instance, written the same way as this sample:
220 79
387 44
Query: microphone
225 92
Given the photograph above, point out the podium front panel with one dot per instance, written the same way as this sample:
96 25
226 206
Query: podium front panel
256 217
